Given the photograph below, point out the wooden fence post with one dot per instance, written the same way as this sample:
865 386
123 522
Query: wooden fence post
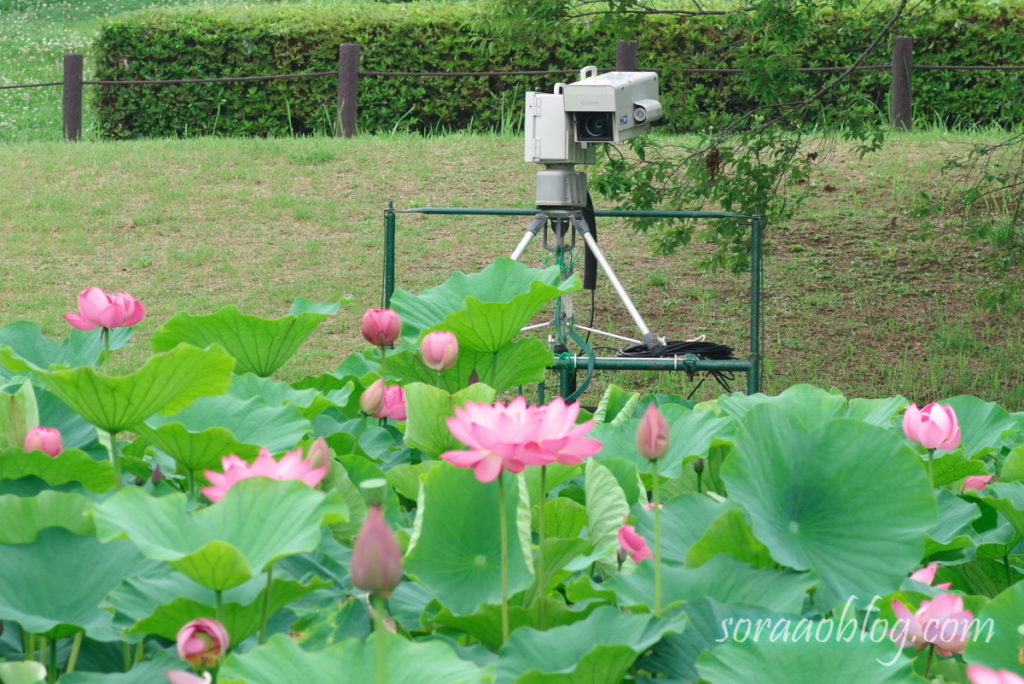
348 89
900 95
625 55
73 69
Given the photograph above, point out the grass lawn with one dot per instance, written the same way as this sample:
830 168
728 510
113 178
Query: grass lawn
857 293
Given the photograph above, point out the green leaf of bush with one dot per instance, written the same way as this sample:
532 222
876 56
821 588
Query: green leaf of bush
833 499
222 546
259 345
166 384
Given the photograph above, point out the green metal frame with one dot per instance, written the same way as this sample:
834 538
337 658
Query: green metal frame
569 365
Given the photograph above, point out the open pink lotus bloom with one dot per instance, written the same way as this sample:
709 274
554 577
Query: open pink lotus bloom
45 439
935 426
977 482
291 467
381 326
942 622
557 438
979 674
203 642
926 575
376 557
652 434
97 309
440 350
630 542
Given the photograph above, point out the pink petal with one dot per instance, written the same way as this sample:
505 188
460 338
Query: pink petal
488 469
926 574
78 322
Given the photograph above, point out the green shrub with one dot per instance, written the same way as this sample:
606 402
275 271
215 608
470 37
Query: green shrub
281 39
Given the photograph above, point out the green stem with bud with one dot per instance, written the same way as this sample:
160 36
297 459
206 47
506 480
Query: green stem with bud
657 538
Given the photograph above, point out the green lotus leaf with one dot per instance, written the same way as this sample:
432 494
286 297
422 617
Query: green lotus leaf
456 548
311 402
150 670
811 405
730 534
72 465
220 546
429 409
685 520
995 641
166 384
259 345
21 518
159 603
213 427
833 499
766 660
985 425
616 405
723 578
485 310
518 363
597 650
19 413
953 529
78 572
1008 499
281 659
24 347
607 508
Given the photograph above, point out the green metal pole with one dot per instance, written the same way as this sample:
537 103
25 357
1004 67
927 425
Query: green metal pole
756 249
389 253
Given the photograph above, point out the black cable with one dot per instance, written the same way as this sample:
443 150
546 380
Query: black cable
702 350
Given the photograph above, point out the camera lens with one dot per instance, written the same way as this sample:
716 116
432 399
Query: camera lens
594 126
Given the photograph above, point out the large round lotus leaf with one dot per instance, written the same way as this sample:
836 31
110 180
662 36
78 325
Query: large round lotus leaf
22 517
166 384
520 362
834 499
806 659
260 345
985 425
995 641
258 521
456 547
597 650
56 585
147 672
73 465
30 349
281 660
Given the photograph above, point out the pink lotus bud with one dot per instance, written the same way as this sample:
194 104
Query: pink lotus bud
630 542
698 465
440 349
935 426
394 403
203 643
319 455
371 401
652 435
381 326
47 440
97 309
977 482
979 674
376 558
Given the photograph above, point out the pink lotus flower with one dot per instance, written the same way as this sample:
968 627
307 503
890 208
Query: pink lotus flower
381 326
631 543
926 575
652 435
291 467
97 309
376 558
440 350
935 426
203 642
394 403
514 436
942 622
977 482
371 401
47 440
183 677
979 674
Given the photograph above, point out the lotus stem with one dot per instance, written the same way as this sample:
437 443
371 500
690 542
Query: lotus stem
380 608
503 522
265 616
51 672
126 655
931 467
219 599
43 642
76 646
928 663
657 538
115 459
105 336
541 525
30 645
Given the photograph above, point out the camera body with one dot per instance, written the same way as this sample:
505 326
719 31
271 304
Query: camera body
610 107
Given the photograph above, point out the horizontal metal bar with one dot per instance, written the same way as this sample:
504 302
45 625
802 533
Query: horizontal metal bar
622 213
678 363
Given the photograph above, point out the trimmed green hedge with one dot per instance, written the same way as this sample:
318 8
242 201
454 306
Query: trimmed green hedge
280 39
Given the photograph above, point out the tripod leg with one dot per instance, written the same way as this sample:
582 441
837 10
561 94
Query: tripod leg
539 221
649 338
